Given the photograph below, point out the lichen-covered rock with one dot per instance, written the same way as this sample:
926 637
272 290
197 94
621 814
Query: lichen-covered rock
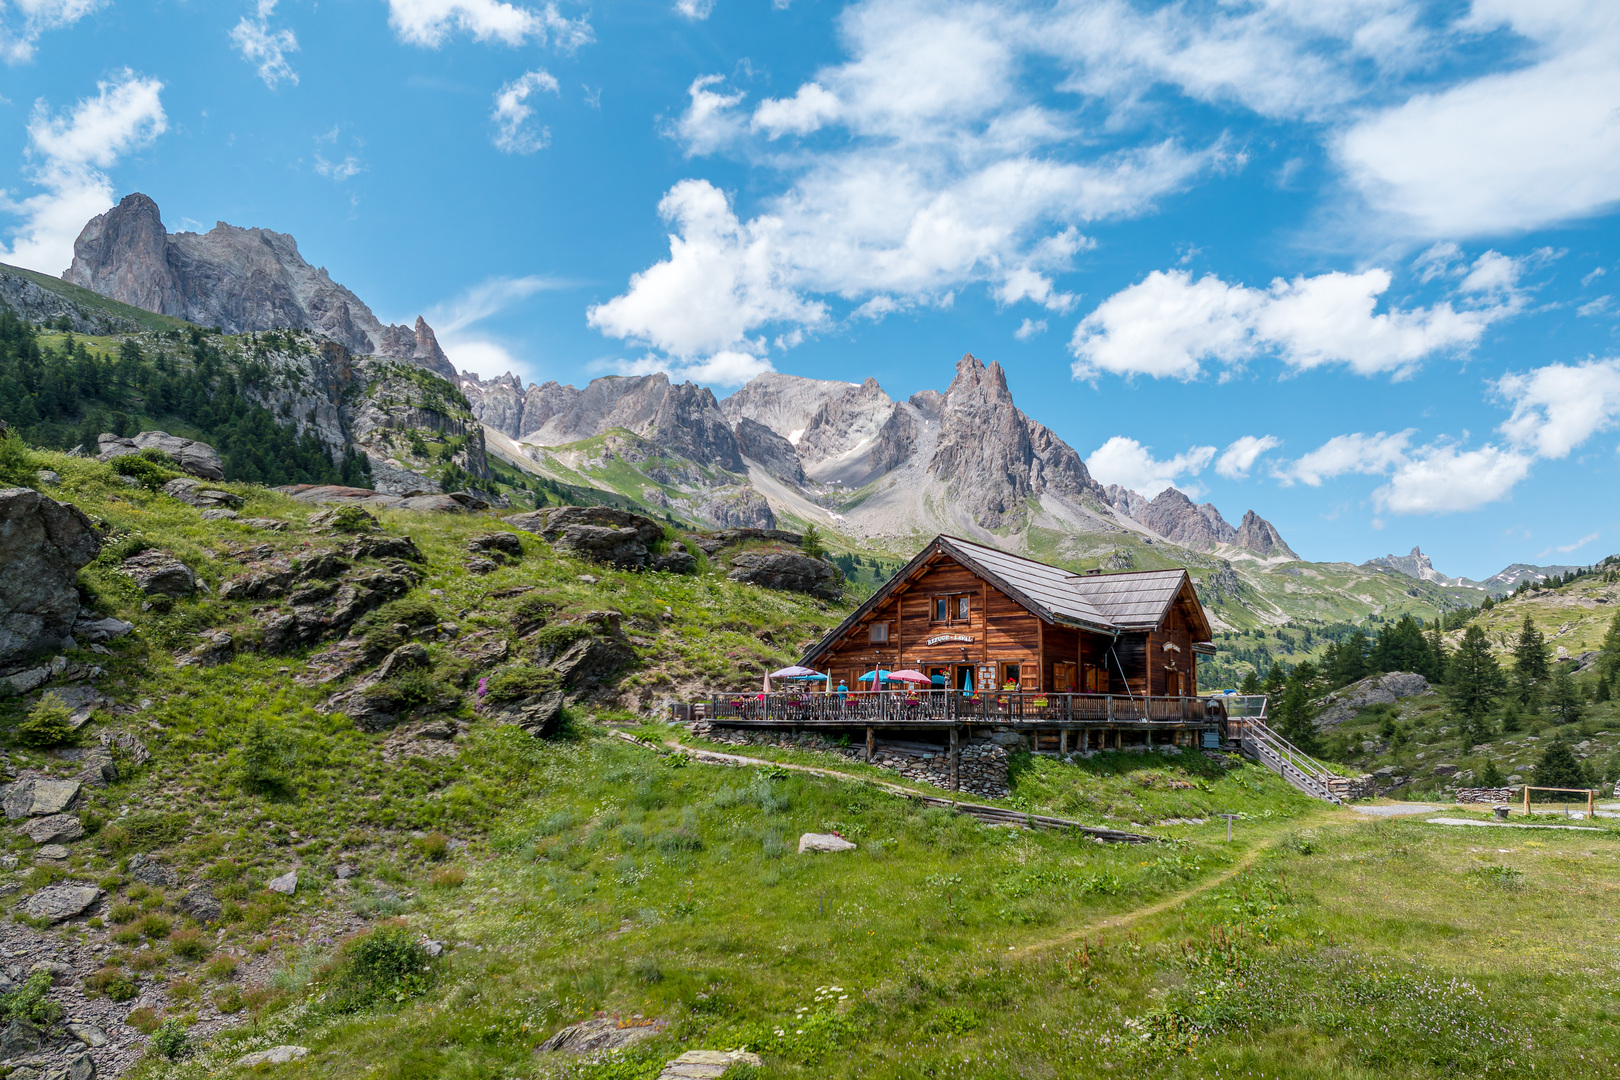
148 871
537 714
37 796
504 542
58 902
201 904
43 544
603 1033
192 493
159 573
54 829
196 458
823 842
788 570
217 648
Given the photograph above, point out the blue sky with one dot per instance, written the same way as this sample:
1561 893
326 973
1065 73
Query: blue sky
1351 263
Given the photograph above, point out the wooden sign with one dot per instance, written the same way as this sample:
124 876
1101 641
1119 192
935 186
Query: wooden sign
940 639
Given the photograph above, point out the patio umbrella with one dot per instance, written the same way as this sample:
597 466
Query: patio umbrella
796 671
908 676
967 683
937 680
879 674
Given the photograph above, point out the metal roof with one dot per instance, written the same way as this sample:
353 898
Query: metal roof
1109 603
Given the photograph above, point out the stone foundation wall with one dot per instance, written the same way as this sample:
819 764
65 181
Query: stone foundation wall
982 764
1487 794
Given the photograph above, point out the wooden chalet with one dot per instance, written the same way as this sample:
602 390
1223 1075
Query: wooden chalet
990 621
1072 661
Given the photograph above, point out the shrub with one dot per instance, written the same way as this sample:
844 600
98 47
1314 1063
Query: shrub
266 756
147 472
155 927
127 936
190 945
144 831
384 965
30 1001
228 999
124 913
48 723
433 846
112 983
679 838
221 967
170 1040
17 466
351 519
143 1020
451 877
148 959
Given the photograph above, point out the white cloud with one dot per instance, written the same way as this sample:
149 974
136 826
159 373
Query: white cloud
513 132
1443 479
1238 458
696 10
1168 325
1029 328
430 23
1596 306
934 166
1560 406
1504 151
723 369
806 111
23 22
68 156
340 171
265 48
1565 549
723 278
1370 455
1128 463
709 122
455 323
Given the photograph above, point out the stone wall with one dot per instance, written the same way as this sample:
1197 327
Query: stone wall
982 767
1487 794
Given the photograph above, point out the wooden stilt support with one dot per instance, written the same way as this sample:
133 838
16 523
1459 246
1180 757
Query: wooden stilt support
1063 742
956 781
871 743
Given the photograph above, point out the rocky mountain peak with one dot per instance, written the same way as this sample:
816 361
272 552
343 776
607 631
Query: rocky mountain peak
234 278
1176 518
994 457
1260 536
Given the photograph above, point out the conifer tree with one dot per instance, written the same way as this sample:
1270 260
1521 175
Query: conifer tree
1474 679
1559 768
1490 775
1251 683
1566 696
1530 662
1438 656
1609 651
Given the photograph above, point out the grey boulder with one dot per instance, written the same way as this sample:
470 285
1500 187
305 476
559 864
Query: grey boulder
196 458
37 796
599 533
54 829
286 884
1385 689
823 842
58 902
201 904
148 871
192 493
159 574
101 631
789 571
43 544
604 1033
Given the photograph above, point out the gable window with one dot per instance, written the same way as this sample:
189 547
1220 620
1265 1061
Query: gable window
878 633
950 609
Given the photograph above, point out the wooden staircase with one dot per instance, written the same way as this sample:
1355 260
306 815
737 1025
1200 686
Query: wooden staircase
1257 740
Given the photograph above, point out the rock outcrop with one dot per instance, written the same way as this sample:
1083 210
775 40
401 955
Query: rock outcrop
43 544
234 278
787 570
197 458
603 534
1385 689
775 454
1175 517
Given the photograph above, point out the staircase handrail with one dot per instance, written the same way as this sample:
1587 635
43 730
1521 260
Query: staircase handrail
1296 757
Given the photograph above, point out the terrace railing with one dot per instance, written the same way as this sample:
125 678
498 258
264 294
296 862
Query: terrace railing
932 707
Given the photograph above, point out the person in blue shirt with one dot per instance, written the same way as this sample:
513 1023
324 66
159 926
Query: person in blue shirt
842 691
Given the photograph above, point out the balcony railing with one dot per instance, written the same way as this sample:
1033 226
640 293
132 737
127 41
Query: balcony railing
886 708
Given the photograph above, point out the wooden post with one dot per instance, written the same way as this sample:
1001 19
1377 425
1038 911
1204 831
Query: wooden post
871 743
1527 799
956 783
1590 808
1063 743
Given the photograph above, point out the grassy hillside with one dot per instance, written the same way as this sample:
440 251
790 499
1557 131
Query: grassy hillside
581 874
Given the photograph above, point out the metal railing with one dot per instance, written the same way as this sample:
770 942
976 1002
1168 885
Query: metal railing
887 707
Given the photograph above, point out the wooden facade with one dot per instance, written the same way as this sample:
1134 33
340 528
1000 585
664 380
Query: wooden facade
990 621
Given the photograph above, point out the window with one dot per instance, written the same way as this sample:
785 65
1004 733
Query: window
962 607
878 633
942 608
950 608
